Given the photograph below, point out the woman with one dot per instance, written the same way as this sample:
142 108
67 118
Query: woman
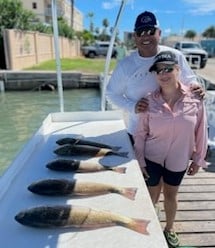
169 134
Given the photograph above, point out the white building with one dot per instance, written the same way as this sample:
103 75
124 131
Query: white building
42 10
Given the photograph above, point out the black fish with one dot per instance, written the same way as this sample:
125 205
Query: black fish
68 150
77 217
61 187
81 166
73 141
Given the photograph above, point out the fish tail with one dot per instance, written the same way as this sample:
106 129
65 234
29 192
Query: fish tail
121 170
130 193
139 225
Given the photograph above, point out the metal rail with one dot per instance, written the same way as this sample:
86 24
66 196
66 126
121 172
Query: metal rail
108 57
57 55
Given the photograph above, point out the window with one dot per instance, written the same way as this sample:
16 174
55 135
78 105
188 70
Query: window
177 46
34 5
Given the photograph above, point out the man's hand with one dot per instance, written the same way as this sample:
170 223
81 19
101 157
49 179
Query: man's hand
198 91
141 105
192 169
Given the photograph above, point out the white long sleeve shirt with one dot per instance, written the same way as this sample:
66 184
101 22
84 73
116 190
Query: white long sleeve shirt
131 80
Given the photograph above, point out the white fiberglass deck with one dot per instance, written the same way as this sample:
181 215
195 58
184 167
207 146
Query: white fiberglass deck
107 127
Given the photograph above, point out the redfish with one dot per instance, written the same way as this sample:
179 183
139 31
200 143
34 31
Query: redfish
81 166
60 187
77 217
68 150
75 141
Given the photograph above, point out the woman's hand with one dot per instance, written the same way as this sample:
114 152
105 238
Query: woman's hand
145 173
141 105
193 169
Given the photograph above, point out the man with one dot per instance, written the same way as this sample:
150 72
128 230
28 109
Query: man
131 81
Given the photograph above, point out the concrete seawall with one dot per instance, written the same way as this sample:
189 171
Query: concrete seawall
31 80
38 80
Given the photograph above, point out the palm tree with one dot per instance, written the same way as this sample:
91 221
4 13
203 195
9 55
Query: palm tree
91 15
190 34
105 24
209 32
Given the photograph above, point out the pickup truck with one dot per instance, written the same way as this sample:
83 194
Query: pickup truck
194 53
100 48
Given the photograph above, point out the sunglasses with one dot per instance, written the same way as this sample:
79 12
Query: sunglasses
164 70
146 31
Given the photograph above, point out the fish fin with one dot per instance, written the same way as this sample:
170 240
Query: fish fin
122 154
121 170
77 141
116 148
130 193
139 225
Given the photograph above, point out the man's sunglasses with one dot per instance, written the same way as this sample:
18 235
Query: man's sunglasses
146 31
163 70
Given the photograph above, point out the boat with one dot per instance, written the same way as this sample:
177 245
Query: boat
30 165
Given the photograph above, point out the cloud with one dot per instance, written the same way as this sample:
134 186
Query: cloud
201 6
111 4
167 30
115 3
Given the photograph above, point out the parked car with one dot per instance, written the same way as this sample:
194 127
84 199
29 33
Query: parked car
100 48
193 52
209 46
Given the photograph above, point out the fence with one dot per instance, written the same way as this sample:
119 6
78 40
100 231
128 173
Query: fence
24 48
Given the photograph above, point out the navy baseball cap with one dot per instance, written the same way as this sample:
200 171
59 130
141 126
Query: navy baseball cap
165 57
145 20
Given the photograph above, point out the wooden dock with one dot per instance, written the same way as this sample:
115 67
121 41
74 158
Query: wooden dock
195 219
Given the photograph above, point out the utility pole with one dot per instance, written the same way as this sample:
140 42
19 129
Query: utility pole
72 14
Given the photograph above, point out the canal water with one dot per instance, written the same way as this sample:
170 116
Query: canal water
21 114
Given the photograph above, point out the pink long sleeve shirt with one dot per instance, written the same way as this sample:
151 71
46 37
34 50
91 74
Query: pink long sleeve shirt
172 137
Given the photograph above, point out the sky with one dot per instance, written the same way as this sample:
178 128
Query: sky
175 17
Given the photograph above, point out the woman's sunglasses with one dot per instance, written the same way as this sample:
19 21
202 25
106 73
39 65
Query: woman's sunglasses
163 70
146 31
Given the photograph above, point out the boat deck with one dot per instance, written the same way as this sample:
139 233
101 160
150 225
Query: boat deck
195 218
29 166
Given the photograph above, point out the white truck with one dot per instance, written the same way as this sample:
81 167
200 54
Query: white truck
100 48
194 53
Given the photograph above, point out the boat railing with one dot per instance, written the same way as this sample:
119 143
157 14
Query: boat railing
108 57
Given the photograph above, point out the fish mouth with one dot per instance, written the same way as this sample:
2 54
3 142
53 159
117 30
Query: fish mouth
23 219
19 217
